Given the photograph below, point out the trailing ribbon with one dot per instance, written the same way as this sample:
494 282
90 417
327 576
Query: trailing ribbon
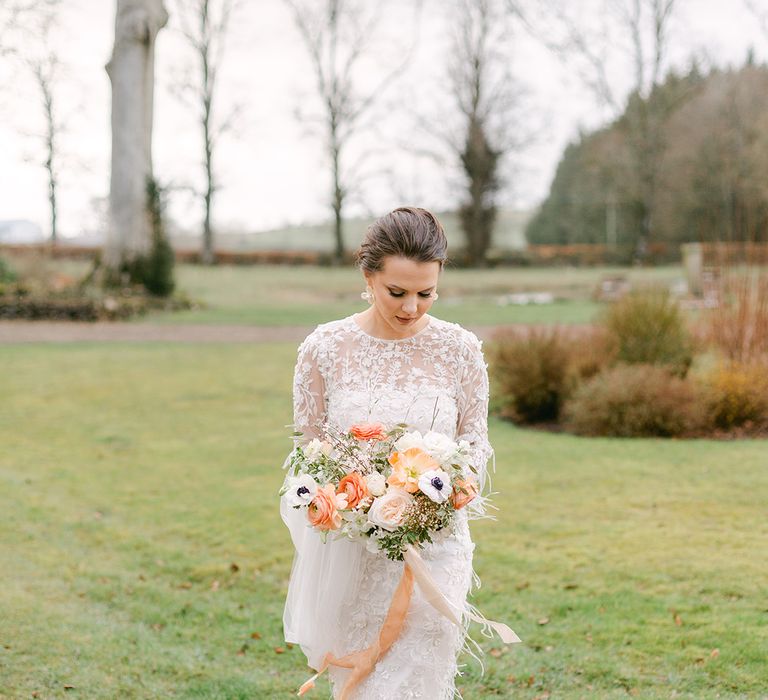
362 662
439 602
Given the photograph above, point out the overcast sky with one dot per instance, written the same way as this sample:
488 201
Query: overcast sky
274 172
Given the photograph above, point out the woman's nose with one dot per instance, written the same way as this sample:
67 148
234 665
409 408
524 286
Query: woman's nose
409 305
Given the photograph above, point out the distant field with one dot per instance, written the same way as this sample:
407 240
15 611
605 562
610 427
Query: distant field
279 295
283 295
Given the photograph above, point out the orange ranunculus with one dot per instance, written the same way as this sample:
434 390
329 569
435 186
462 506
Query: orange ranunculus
464 491
323 511
355 488
408 466
368 431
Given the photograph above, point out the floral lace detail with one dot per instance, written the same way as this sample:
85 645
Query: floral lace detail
436 379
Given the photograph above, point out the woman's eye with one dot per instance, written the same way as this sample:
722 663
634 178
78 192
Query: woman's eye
423 295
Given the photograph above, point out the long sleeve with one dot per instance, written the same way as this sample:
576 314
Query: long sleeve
308 391
473 397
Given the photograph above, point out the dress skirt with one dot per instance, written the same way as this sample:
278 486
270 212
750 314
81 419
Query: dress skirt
422 662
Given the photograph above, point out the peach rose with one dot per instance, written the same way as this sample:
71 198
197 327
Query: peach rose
355 488
464 491
368 431
388 511
408 466
323 511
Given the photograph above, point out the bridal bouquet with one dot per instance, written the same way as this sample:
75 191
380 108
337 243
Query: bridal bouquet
396 487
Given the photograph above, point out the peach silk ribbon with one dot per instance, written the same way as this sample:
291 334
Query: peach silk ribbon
362 662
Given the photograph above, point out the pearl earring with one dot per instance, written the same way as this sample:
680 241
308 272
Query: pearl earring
367 295
435 296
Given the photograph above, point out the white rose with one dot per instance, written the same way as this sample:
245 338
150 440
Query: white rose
436 484
439 446
301 490
376 483
315 448
408 440
388 511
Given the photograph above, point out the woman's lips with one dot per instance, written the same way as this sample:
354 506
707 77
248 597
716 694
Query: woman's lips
404 320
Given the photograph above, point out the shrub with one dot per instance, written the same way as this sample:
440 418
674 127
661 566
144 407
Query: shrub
649 328
7 273
592 351
738 326
737 395
155 269
634 401
531 373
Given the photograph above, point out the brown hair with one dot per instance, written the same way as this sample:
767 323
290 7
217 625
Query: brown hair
410 232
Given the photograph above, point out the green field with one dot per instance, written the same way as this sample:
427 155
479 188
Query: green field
282 295
142 554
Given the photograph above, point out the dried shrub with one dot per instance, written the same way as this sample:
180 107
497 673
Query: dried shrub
531 374
738 325
639 400
736 395
592 351
649 328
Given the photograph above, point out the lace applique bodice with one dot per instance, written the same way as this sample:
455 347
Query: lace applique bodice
436 379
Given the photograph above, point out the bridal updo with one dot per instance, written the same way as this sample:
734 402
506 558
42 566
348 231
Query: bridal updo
408 232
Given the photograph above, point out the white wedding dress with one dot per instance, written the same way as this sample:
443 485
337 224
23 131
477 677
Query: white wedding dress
436 379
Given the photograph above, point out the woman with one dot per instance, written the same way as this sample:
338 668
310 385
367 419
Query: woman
391 363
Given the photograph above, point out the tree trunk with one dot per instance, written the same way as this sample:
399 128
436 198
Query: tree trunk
338 197
131 72
50 161
478 215
208 256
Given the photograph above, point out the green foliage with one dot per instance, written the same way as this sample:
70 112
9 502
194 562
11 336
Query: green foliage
7 273
648 327
576 208
698 142
158 276
634 401
531 374
155 269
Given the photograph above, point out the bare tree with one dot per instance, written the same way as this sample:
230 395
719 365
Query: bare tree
337 35
485 95
15 14
637 30
44 66
26 37
205 26
131 71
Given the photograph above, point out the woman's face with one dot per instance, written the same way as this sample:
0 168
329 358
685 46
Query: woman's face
403 290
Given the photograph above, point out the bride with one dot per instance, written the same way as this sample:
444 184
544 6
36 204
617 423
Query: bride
390 363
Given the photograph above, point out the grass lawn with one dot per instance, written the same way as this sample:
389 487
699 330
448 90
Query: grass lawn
142 555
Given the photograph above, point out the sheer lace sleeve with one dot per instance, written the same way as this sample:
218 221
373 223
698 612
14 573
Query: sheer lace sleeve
473 397
308 390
